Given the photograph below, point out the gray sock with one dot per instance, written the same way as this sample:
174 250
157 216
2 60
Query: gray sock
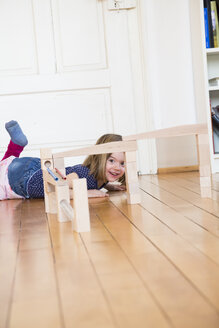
16 133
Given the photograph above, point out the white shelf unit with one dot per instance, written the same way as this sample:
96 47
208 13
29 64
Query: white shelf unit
213 71
211 57
213 88
212 51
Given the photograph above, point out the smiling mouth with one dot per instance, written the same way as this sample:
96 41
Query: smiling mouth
114 174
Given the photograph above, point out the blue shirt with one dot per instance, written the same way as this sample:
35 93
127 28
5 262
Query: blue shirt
26 178
35 187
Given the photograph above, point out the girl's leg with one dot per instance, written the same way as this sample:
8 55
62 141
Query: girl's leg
13 150
18 140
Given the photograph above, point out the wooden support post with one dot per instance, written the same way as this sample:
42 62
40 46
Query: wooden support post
132 185
50 198
81 222
204 164
49 190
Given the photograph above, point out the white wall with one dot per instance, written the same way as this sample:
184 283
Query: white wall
169 54
143 76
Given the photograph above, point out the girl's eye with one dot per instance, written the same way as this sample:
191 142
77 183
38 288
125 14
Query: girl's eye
122 164
111 160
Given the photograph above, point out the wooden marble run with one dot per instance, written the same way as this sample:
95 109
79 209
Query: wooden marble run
57 195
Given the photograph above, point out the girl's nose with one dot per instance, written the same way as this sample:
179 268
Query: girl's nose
117 166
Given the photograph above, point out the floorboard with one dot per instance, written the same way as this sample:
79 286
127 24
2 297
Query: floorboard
154 265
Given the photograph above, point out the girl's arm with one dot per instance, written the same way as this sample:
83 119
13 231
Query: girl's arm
114 187
96 193
91 193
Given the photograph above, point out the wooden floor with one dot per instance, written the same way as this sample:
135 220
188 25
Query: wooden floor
149 265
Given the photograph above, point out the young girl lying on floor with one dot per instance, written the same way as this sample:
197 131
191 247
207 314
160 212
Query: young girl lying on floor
22 177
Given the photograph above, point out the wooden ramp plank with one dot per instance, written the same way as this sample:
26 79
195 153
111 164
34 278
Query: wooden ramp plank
181 130
168 286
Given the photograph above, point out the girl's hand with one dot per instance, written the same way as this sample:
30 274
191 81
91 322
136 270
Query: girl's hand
115 187
96 193
70 178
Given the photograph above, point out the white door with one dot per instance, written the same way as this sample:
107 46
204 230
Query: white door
65 72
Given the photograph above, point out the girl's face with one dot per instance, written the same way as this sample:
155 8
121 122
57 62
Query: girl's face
115 167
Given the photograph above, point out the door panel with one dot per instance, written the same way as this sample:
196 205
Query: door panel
66 118
79 35
65 72
17 38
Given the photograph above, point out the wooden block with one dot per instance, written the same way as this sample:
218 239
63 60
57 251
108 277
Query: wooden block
46 156
206 192
46 200
46 163
203 150
133 188
59 163
48 178
131 172
202 141
50 192
205 181
204 157
50 187
130 156
205 170
133 198
67 209
62 193
45 153
133 192
81 223
49 198
52 206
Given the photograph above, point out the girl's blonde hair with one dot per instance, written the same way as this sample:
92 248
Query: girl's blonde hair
97 163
